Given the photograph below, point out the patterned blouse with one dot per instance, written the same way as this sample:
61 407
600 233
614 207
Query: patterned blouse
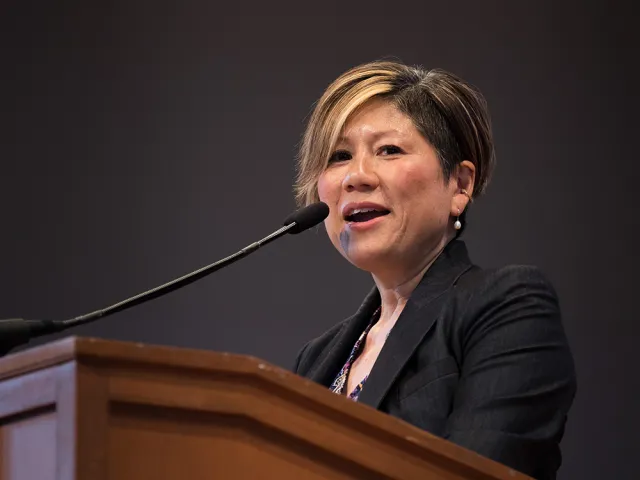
340 382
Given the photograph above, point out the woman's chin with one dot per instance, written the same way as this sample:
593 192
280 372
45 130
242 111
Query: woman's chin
369 259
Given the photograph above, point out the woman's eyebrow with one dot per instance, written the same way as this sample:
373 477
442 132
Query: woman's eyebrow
373 136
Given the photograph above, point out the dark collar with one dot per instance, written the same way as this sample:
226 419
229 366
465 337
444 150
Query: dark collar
414 322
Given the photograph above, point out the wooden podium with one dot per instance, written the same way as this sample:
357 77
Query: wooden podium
90 409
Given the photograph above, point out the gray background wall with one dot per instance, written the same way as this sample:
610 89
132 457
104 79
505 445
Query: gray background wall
141 141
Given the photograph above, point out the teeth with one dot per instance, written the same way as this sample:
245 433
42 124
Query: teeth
362 210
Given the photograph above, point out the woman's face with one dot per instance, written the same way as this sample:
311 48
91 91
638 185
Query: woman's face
390 207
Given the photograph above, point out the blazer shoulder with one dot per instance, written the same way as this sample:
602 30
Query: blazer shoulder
501 280
489 296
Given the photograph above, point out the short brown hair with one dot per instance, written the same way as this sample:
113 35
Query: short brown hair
450 113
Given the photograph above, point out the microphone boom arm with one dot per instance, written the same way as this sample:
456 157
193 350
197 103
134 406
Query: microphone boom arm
16 331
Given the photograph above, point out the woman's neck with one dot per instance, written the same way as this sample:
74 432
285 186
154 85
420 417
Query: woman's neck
395 290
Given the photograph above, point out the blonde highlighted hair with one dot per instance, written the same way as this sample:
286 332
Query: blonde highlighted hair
451 114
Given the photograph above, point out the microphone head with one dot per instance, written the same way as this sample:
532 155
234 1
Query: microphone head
307 217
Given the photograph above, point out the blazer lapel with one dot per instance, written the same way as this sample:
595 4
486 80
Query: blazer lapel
337 350
415 321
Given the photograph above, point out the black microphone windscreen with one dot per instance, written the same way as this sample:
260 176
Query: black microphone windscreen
307 217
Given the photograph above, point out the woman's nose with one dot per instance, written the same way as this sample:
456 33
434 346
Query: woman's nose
360 176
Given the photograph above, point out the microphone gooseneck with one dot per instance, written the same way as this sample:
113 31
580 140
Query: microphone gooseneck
16 331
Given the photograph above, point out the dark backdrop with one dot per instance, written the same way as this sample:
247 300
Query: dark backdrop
140 141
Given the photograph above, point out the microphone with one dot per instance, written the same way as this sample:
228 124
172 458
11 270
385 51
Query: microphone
16 331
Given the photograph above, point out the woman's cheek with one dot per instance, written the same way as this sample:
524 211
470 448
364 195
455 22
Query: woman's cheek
324 188
327 194
329 188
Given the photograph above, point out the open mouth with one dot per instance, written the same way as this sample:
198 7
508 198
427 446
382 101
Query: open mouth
361 215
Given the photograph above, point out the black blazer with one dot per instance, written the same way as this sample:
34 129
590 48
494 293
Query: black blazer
478 357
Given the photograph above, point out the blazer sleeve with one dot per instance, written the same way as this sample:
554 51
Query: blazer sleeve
517 377
297 363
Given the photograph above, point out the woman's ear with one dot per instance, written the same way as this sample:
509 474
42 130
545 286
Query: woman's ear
463 178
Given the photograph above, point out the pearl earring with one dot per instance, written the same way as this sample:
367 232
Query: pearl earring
458 224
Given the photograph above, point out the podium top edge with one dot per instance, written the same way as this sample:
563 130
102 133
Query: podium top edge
90 349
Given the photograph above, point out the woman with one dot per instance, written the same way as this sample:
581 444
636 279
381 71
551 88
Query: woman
476 356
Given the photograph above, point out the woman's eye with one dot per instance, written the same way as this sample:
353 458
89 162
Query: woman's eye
390 150
339 156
